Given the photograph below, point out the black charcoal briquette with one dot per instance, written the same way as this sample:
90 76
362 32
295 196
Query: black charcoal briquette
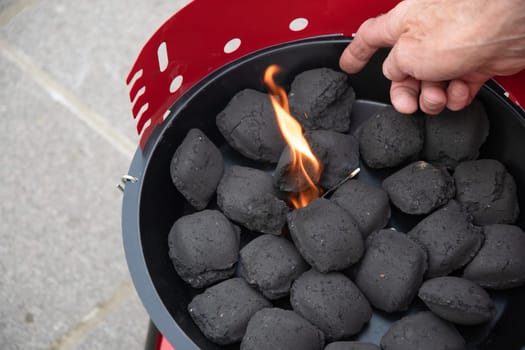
286 178
249 125
222 312
389 138
500 263
488 191
339 154
204 247
422 331
196 168
457 300
332 302
326 235
247 196
391 270
450 238
322 99
351 345
419 188
278 329
453 137
270 264
367 204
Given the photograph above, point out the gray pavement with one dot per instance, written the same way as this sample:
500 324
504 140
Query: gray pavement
66 137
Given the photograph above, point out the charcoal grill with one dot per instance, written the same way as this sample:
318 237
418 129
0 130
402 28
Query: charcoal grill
188 71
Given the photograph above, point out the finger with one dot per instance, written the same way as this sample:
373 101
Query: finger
433 97
392 69
474 88
364 45
404 95
374 33
458 95
402 60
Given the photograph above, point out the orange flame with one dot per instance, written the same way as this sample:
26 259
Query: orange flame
302 156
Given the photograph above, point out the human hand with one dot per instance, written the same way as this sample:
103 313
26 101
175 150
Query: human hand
442 50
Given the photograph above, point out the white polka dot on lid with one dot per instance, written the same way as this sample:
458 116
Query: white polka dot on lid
162 56
232 45
298 24
166 114
176 83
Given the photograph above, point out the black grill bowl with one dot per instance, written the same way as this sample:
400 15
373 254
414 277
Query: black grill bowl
152 204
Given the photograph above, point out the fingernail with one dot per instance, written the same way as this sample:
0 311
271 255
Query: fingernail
458 90
404 103
431 104
459 93
386 73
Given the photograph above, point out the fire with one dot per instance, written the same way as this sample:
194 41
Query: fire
302 156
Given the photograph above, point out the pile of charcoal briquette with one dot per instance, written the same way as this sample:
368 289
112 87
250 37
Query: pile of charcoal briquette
336 259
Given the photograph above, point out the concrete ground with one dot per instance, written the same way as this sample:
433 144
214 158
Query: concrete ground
66 137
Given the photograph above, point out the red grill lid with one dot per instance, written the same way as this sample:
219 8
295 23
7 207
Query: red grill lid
207 34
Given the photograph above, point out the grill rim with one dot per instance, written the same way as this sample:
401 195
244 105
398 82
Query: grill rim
131 209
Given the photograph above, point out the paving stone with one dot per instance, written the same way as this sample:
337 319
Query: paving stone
4 4
125 328
90 46
60 238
